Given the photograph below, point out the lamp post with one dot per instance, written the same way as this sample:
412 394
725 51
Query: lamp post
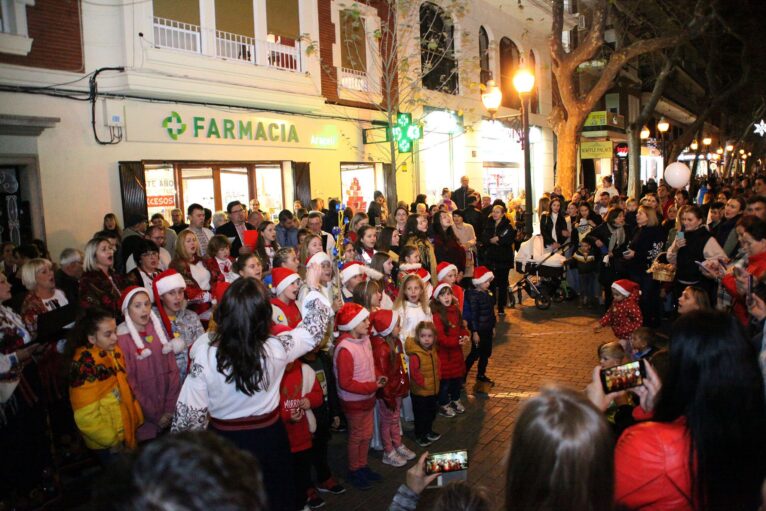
524 83
663 126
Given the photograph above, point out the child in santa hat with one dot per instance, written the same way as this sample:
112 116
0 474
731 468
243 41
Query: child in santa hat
447 272
357 384
409 262
149 360
479 314
624 316
285 285
390 362
178 321
351 275
451 336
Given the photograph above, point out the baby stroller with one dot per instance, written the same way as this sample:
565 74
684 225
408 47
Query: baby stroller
542 273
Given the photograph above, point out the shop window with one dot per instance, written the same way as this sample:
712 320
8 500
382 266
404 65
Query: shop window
437 50
234 185
358 185
534 97
509 63
485 72
269 189
160 189
198 187
283 21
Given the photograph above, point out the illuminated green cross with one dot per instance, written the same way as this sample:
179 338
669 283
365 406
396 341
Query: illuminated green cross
404 132
173 124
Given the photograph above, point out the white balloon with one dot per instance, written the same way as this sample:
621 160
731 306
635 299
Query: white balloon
677 175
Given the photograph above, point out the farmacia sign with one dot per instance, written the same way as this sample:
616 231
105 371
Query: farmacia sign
212 128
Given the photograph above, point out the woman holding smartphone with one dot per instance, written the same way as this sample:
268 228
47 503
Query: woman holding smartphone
645 246
693 245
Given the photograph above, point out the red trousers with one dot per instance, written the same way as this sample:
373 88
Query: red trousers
388 422
359 436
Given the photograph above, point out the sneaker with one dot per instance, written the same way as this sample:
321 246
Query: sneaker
423 441
446 411
331 486
370 475
405 453
394 459
314 501
358 480
433 436
458 406
484 378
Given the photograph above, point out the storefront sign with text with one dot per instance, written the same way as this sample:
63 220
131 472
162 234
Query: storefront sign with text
595 150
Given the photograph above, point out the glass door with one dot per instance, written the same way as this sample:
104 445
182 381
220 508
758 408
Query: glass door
235 185
198 187
269 189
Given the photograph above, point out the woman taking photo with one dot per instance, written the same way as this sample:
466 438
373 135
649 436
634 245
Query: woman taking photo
100 286
694 244
447 247
497 240
553 226
753 241
234 381
703 447
645 246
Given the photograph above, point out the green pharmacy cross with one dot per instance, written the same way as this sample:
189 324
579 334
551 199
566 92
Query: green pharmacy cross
404 132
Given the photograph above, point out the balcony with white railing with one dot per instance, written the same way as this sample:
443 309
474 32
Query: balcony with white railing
234 46
177 35
353 80
282 56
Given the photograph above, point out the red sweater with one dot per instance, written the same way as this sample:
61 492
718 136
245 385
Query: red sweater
448 344
290 395
398 381
347 382
624 317
290 310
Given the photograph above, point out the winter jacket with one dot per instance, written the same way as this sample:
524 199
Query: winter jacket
287 237
498 255
756 266
355 373
479 310
624 316
547 228
651 464
448 343
295 382
424 369
392 366
448 249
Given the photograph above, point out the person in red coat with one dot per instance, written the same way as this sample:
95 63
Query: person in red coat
624 316
299 393
451 336
388 353
285 283
736 282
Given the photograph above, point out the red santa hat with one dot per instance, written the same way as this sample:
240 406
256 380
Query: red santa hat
481 274
384 321
409 267
439 288
163 283
351 270
350 316
424 275
625 287
443 268
127 296
318 258
281 278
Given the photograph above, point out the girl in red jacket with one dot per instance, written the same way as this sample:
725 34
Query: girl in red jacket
624 316
357 384
451 335
299 393
389 362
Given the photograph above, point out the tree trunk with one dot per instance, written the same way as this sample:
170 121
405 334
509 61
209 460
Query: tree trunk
566 159
634 163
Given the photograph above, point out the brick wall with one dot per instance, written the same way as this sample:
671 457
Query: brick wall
55 27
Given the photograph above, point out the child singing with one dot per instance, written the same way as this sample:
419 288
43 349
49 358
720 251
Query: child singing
285 284
451 336
424 381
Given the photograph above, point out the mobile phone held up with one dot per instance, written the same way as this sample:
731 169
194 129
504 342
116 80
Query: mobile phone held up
623 377
443 462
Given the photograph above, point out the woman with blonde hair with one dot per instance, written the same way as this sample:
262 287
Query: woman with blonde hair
43 296
647 243
190 265
100 285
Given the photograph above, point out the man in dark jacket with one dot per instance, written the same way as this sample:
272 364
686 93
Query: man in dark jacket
472 215
460 195
235 228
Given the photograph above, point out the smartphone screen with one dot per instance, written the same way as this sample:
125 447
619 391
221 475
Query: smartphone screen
680 235
623 377
452 461
749 295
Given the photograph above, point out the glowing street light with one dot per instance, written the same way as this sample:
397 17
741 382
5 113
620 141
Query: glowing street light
492 97
524 83
729 148
645 132
663 125
694 145
707 141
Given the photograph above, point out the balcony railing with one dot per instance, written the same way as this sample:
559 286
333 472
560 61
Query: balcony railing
176 35
353 80
234 46
282 56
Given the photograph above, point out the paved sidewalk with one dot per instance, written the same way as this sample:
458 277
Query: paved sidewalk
532 348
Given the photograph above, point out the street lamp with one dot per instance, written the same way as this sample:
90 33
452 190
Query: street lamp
729 148
719 150
492 97
663 126
644 132
694 145
524 83
707 141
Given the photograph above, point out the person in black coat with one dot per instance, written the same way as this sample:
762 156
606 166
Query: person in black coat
553 226
472 215
460 195
609 239
647 243
498 238
236 223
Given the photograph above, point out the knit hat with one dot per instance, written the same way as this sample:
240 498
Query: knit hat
481 274
318 258
281 278
163 283
351 270
625 287
384 321
438 289
349 316
443 268
141 349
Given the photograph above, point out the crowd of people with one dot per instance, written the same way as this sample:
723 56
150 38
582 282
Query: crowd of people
276 336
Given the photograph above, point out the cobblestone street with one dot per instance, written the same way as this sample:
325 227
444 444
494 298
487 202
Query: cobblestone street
532 348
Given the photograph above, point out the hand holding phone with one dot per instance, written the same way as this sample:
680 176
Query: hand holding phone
382 381
443 462
622 377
